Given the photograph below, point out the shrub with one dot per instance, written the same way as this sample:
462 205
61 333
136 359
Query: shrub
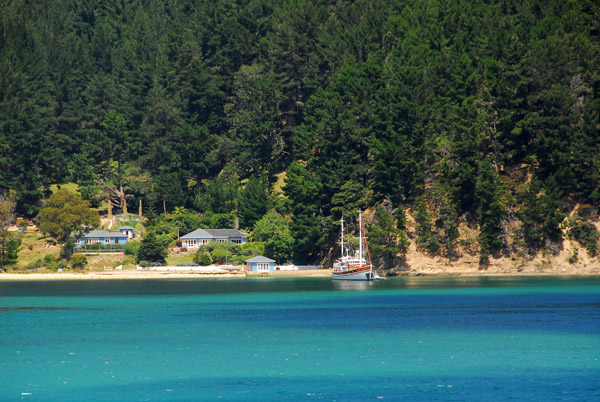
203 258
573 258
131 248
585 233
220 255
36 264
78 261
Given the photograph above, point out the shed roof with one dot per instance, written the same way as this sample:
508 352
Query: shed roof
259 258
126 227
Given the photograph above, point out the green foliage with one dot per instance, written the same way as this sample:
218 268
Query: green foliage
268 226
203 258
273 229
351 198
219 196
98 246
8 251
357 101
583 231
232 248
79 261
50 262
252 249
220 255
66 213
132 247
151 250
280 248
303 190
490 210
67 250
221 252
426 239
387 243
254 201
540 215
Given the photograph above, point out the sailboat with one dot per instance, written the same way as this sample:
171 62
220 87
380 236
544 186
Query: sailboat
353 268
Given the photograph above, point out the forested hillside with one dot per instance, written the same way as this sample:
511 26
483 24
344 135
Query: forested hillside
484 113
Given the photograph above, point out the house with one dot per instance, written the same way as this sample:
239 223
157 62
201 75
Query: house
200 237
260 264
127 230
103 237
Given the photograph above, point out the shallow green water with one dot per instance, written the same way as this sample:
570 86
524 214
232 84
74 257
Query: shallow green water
301 339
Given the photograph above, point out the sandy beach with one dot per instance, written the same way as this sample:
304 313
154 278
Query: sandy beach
137 274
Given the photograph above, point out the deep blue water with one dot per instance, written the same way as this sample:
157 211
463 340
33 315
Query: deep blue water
265 339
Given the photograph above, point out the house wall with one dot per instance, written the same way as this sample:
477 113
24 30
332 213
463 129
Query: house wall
102 240
185 243
264 266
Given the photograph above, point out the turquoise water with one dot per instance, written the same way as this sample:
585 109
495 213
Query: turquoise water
404 339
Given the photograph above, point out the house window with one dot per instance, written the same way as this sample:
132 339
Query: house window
107 240
262 266
236 241
92 240
222 240
204 241
189 243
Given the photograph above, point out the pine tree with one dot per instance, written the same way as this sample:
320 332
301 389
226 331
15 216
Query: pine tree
151 250
490 210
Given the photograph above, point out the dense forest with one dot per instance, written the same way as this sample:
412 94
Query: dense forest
451 111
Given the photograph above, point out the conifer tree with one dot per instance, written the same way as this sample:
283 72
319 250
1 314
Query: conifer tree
491 213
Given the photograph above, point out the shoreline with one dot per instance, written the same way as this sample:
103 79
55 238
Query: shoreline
136 274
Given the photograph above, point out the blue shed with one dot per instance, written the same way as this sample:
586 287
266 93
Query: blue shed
260 264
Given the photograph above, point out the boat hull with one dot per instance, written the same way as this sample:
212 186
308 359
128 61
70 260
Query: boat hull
359 274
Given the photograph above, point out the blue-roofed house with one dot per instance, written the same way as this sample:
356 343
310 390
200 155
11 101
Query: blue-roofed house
260 264
200 237
103 237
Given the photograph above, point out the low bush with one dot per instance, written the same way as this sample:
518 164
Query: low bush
131 248
78 261
586 234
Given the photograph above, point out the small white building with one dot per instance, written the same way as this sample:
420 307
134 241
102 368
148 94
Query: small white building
127 230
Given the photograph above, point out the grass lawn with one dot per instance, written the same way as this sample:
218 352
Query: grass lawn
33 248
183 258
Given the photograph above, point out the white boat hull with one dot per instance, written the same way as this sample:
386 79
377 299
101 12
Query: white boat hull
354 275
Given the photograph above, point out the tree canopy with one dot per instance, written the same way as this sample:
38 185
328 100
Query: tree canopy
65 214
464 110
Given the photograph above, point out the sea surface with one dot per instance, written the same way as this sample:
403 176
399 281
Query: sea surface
308 339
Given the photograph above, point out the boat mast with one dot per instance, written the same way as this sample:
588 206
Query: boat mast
342 239
360 252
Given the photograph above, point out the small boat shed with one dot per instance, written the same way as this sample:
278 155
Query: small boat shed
127 230
260 264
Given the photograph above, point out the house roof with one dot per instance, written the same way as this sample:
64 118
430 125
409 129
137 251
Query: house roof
104 233
259 258
213 233
126 227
